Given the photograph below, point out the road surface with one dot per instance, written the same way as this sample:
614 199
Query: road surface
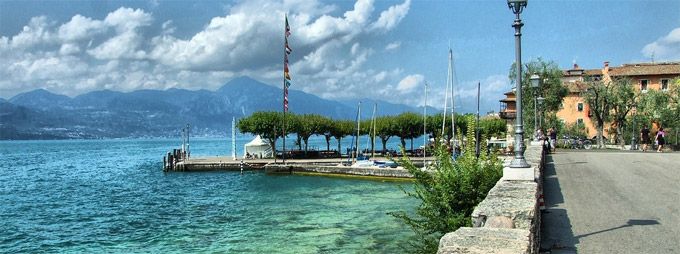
611 201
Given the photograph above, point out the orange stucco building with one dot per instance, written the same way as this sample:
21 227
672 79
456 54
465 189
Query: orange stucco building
574 109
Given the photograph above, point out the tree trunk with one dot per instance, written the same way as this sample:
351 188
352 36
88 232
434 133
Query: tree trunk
328 143
339 147
600 133
384 143
306 142
619 134
403 142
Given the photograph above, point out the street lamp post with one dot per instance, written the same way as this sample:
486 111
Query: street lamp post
540 103
633 145
518 162
534 83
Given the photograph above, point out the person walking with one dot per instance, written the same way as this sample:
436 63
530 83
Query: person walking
645 137
660 140
553 138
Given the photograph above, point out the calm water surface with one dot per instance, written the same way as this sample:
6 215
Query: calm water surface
111 196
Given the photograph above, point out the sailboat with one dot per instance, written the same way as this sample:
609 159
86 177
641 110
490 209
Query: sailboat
365 161
449 81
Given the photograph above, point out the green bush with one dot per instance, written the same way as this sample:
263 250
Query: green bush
449 191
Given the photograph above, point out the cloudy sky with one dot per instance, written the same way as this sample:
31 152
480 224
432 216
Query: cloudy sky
341 49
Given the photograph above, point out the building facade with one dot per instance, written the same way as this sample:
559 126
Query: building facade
574 109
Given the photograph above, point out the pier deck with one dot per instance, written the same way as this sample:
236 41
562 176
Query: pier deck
321 166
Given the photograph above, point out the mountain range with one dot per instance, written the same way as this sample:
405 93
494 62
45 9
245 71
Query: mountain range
40 114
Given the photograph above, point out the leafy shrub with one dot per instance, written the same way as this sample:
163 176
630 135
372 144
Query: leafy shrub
449 190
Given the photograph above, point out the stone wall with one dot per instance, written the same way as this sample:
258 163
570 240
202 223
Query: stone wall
509 219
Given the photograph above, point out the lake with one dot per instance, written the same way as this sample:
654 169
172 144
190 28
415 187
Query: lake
111 196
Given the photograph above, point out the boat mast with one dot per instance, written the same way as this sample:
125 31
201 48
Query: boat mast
233 138
375 109
358 131
425 125
453 108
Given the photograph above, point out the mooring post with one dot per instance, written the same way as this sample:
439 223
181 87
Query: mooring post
241 166
164 168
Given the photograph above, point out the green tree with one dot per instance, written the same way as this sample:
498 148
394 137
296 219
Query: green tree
327 125
409 125
308 125
449 191
662 107
267 124
495 127
550 88
598 98
622 97
385 129
341 129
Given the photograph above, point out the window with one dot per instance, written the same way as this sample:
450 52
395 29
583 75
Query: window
664 84
564 121
579 121
561 105
579 106
643 85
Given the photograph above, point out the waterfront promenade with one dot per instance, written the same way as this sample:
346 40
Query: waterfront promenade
609 201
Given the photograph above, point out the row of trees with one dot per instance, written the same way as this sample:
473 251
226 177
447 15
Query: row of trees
617 102
610 102
405 126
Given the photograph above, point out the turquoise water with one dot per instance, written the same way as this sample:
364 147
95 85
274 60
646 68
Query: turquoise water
111 196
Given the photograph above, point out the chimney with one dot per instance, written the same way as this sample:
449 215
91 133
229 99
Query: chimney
575 66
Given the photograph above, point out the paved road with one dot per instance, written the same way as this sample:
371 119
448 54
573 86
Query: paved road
611 202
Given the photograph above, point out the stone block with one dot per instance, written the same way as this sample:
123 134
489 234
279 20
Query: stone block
519 174
513 199
485 240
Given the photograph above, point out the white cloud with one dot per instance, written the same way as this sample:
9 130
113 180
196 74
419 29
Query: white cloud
666 48
35 33
80 28
127 19
130 49
410 82
393 45
69 49
392 16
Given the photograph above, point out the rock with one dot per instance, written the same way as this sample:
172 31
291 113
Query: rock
499 222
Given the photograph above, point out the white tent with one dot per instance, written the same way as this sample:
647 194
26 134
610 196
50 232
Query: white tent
258 148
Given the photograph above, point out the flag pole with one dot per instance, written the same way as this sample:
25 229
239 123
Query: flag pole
283 127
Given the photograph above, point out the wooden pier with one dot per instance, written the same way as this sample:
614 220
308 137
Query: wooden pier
328 166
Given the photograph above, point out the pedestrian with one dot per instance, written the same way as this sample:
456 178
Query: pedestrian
553 138
660 140
539 134
645 138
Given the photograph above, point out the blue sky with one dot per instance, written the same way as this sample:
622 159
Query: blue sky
341 49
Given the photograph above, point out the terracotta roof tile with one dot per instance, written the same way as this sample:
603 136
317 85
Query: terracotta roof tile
642 69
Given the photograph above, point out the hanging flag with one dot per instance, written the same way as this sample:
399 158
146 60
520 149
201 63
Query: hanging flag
286 76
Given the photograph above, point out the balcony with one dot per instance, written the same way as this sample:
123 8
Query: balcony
508 114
